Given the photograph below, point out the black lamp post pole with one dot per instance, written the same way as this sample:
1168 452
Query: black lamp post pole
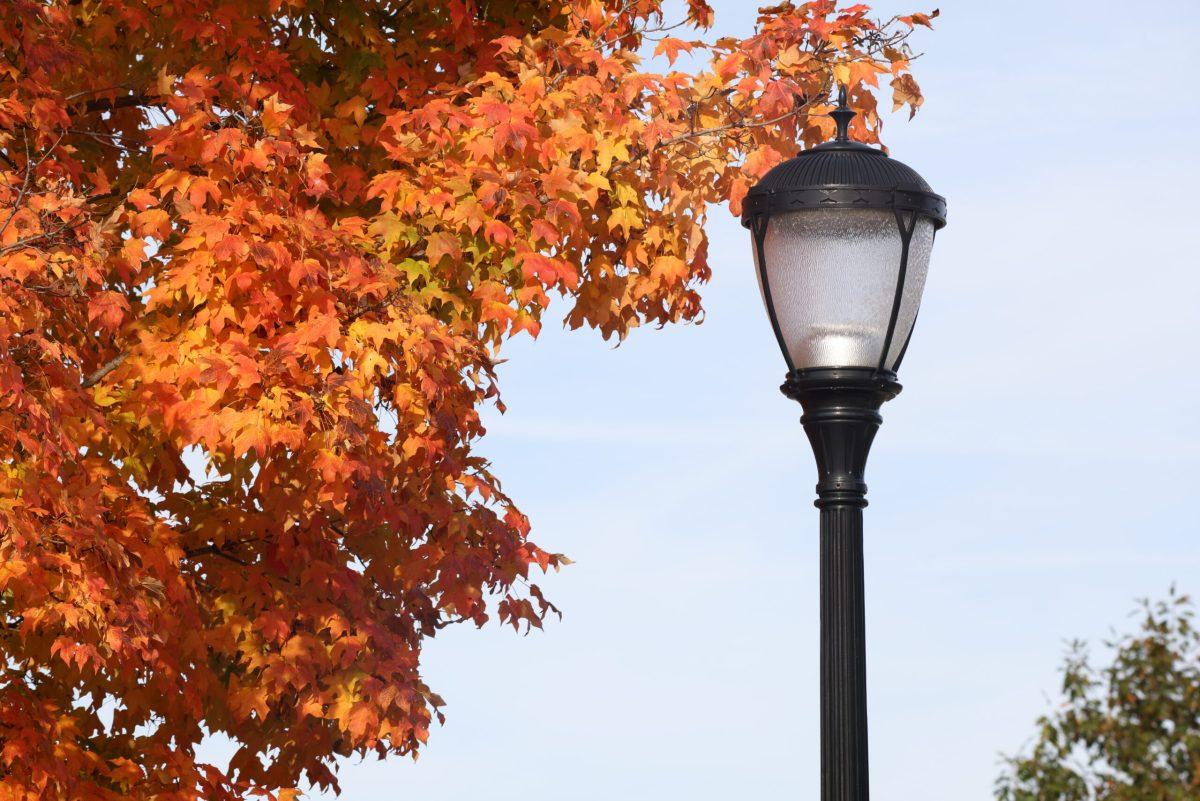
841 416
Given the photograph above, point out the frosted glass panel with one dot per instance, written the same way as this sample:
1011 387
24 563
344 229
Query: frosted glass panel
832 275
914 284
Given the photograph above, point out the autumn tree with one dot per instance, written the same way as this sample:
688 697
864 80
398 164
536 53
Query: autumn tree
1126 731
257 261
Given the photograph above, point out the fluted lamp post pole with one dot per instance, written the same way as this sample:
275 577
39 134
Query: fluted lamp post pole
842 237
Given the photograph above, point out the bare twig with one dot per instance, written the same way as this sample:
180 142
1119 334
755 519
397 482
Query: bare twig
737 125
29 168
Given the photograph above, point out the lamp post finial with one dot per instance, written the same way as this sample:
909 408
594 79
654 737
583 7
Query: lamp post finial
842 116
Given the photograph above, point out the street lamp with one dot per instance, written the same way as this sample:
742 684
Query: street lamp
842 236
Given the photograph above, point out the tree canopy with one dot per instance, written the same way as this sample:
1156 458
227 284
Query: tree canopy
257 261
1126 731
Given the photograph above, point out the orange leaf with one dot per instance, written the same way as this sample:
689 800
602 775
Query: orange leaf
672 47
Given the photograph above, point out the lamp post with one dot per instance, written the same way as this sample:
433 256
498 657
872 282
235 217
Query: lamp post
842 236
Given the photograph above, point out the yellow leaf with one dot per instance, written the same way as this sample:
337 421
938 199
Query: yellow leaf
610 149
625 217
841 74
627 195
274 114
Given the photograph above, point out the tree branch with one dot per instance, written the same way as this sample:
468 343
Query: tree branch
364 309
214 550
124 101
110 365
116 361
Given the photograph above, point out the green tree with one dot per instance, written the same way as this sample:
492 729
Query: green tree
1129 731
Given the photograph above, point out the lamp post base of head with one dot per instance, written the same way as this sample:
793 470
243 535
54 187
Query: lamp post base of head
841 415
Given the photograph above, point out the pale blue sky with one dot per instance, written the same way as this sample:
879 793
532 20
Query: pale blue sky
1038 473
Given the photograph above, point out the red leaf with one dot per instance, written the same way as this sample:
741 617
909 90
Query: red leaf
107 310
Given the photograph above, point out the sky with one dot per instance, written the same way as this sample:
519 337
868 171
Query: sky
1037 475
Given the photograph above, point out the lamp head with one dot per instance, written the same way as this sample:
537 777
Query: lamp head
842 238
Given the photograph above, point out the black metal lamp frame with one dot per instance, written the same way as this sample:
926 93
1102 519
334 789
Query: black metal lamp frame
841 416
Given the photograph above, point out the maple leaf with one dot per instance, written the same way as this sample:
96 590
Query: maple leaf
920 19
108 310
155 223
670 269
671 47
142 199
906 92
441 245
498 233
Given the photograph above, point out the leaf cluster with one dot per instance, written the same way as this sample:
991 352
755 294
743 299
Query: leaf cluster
258 259
1126 731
